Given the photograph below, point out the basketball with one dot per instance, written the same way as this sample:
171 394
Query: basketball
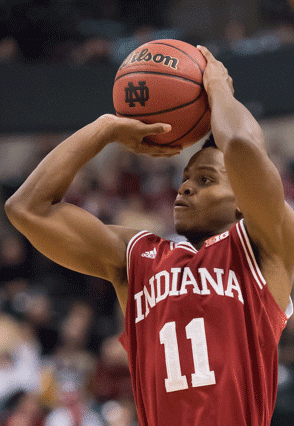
161 81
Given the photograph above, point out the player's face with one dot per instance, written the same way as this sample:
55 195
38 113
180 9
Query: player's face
205 204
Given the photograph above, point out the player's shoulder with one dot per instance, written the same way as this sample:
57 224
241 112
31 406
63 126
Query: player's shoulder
145 244
145 239
125 234
132 236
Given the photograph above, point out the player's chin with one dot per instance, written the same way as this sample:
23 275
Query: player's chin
182 216
181 226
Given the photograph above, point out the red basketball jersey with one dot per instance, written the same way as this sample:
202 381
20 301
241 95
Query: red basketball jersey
201 332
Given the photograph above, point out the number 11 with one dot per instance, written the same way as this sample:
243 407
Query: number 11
202 376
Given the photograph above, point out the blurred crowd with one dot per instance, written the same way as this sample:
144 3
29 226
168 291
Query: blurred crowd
86 32
60 360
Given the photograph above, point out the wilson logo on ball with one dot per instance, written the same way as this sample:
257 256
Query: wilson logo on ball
146 56
138 94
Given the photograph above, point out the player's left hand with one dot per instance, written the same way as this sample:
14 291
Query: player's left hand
215 73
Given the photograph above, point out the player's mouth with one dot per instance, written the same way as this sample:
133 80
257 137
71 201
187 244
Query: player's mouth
181 203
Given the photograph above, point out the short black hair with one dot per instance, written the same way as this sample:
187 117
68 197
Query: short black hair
210 142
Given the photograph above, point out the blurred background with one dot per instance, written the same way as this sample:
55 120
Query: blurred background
60 360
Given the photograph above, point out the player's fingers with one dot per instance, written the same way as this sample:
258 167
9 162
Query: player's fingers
157 150
161 151
163 155
148 143
156 128
205 52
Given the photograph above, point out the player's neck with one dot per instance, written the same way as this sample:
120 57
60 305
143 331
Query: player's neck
197 239
198 243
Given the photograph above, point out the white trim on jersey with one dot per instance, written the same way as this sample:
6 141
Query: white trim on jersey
131 244
249 254
256 272
289 309
186 245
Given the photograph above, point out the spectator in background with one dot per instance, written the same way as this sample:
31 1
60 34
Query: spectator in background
66 376
119 413
9 50
39 312
111 382
14 257
26 412
19 361
13 297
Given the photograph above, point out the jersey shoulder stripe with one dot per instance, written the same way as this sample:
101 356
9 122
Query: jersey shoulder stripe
252 263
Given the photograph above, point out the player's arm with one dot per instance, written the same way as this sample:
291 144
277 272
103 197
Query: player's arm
254 178
65 233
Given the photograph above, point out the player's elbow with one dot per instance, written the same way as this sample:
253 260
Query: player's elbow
245 146
17 212
10 208
13 209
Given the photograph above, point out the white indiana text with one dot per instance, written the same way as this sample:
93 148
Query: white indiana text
178 281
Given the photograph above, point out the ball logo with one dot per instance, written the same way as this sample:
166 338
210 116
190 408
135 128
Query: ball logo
146 56
135 94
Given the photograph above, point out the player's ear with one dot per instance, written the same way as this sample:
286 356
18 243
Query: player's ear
239 215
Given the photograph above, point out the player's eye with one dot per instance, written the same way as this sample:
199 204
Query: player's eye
205 180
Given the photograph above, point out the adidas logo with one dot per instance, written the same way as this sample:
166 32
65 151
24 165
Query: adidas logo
150 254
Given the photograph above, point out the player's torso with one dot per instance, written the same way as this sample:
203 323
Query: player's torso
193 321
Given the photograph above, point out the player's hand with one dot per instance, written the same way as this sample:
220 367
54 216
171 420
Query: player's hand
131 133
215 73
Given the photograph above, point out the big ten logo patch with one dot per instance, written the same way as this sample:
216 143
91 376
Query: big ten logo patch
146 56
135 94
216 239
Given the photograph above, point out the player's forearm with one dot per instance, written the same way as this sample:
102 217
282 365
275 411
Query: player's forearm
240 138
48 183
231 121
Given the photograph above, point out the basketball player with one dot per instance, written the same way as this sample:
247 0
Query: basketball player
203 317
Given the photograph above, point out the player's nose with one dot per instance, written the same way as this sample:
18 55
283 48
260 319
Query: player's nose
187 188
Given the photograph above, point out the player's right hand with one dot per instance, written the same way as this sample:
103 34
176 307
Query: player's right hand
131 133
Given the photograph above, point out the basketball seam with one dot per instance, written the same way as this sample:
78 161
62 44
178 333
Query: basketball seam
190 130
148 114
159 73
177 48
